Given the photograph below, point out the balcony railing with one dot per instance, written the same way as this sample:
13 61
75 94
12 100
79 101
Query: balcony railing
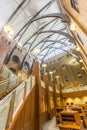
11 103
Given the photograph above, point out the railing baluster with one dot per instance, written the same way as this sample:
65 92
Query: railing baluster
25 90
11 108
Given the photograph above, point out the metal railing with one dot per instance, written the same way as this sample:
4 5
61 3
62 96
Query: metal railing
11 103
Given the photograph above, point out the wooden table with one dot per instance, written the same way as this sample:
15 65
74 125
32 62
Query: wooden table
70 126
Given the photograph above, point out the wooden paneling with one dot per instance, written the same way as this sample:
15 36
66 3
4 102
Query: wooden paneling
75 94
34 111
25 117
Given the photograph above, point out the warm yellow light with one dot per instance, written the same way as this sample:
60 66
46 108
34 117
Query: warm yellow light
72 27
82 68
80 60
44 65
36 50
9 30
78 48
51 72
57 76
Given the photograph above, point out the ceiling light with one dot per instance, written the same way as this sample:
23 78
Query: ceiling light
82 68
78 48
80 60
72 27
9 30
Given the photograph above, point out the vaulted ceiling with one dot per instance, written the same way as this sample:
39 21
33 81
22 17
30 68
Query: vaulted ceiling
37 24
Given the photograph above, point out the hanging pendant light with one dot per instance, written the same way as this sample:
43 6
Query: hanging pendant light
8 29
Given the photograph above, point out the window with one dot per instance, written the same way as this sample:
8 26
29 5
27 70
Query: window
75 4
79 75
66 78
15 59
9 43
13 70
26 65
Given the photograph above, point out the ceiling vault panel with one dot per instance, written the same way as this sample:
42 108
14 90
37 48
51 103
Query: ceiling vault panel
37 24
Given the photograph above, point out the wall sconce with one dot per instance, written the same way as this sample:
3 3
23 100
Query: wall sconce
80 61
72 27
78 48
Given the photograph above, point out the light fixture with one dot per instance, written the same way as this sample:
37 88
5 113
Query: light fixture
9 30
80 60
51 72
57 76
51 76
37 51
82 68
72 27
44 65
78 48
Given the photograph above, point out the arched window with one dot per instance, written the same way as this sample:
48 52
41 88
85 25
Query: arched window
15 59
26 65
